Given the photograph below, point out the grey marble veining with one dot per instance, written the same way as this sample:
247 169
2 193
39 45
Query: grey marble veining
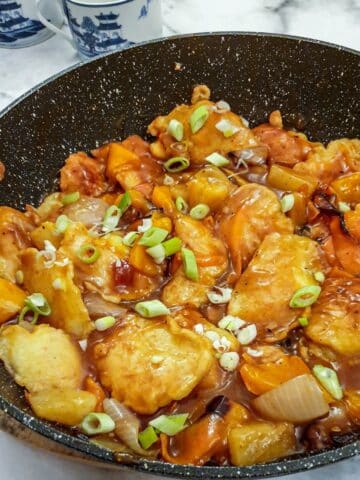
335 21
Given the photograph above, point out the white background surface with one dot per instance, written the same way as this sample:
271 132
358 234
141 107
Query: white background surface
331 20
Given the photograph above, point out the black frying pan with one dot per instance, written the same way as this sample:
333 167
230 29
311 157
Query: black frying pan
315 85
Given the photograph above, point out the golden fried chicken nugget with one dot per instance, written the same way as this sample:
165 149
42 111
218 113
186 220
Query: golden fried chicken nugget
148 363
57 285
335 318
282 265
45 358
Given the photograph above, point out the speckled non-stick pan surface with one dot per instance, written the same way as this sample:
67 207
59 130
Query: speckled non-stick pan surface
315 85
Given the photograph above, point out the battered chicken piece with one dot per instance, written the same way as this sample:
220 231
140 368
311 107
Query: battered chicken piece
57 285
43 359
83 174
148 363
205 141
282 265
100 276
285 147
335 318
210 186
48 364
326 164
211 259
15 230
252 212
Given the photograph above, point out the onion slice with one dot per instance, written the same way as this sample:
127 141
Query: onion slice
299 400
127 425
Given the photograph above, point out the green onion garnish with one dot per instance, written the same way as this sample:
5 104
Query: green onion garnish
37 304
124 203
344 207
88 253
319 277
62 223
176 164
151 308
70 198
170 424
111 218
130 239
104 323
153 236
198 118
148 437
95 423
217 160
329 380
303 321
181 205
199 211
172 246
287 202
189 264
157 252
19 277
227 128
221 295
305 296
176 129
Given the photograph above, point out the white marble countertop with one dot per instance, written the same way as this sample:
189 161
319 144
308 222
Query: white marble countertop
335 21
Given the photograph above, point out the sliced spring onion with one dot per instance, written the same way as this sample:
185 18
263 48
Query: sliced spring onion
153 236
229 361
198 118
221 295
146 224
88 253
329 380
104 323
287 202
168 180
151 308
58 284
231 323
111 218
176 164
176 129
38 303
217 160
319 277
227 128
24 311
130 238
19 277
344 207
95 423
70 198
170 424
172 246
124 203
212 336
298 400
303 321
247 334
148 437
181 205
62 223
305 296
199 211
189 264
157 252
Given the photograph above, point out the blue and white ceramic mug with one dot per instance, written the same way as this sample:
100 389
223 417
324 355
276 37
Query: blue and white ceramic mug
99 26
19 24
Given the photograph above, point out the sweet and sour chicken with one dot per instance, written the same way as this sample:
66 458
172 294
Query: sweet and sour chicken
193 298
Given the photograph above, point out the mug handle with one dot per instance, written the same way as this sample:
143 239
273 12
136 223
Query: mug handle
50 26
